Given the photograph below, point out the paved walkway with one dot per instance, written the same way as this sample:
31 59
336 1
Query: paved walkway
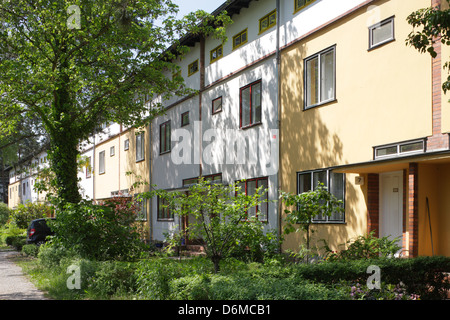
13 283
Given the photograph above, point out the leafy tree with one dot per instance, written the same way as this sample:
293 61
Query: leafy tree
306 206
75 65
431 25
217 214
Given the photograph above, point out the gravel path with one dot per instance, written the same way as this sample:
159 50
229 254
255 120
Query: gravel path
13 283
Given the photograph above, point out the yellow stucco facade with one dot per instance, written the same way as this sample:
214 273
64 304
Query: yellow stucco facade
382 96
124 173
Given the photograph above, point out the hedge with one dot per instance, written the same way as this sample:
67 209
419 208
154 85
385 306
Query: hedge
425 276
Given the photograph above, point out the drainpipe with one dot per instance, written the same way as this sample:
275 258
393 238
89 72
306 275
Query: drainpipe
93 169
150 166
278 90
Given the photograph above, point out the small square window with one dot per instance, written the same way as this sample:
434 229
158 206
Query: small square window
240 39
112 151
126 145
185 118
217 105
381 33
216 54
300 4
268 21
193 68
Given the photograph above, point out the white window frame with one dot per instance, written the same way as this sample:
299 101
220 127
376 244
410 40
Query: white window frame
378 25
329 184
101 162
319 83
140 147
398 146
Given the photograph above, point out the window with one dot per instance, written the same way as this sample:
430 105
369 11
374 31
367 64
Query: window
176 75
141 212
126 145
164 212
193 68
399 149
216 54
249 187
112 151
240 39
164 137
212 178
185 118
101 162
320 75
300 4
268 21
140 147
88 168
381 33
250 105
335 182
217 105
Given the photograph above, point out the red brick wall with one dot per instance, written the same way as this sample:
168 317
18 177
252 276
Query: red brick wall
413 209
373 200
438 140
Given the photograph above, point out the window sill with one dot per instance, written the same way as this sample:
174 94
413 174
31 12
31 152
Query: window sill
379 45
164 152
330 222
267 29
321 104
251 126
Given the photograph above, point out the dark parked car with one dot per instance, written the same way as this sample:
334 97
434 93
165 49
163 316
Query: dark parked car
38 231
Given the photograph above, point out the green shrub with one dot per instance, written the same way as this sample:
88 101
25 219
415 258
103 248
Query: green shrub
365 247
154 275
113 277
4 213
30 250
423 276
193 280
99 232
10 230
24 214
16 241
51 255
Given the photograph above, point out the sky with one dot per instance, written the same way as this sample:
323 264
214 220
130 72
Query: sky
187 6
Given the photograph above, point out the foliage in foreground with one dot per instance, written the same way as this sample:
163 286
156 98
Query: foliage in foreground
163 278
99 232
225 217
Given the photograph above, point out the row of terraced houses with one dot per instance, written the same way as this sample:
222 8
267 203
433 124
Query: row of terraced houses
303 91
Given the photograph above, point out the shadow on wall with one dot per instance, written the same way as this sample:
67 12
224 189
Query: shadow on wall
309 143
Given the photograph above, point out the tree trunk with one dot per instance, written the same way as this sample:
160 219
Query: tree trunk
64 145
216 259
63 156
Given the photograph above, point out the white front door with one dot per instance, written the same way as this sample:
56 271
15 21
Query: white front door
391 205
